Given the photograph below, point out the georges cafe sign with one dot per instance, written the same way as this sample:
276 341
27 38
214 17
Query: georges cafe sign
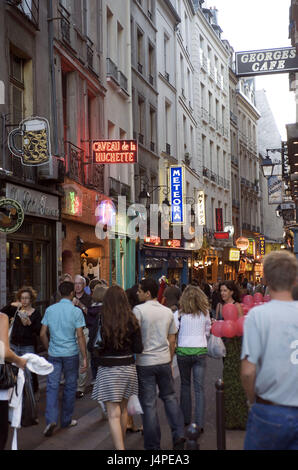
115 151
266 61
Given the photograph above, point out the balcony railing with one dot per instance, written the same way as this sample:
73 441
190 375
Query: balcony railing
206 172
141 139
29 8
65 25
89 56
167 76
212 121
140 68
221 181
226 184
168 149
96 177
123 81
112 70
150 15
234 118
213 177
234 160
151 79
116 188
75 163
152 146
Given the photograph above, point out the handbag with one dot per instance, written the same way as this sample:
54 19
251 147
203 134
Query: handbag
29 409
8 376
134 406
98 345
216 347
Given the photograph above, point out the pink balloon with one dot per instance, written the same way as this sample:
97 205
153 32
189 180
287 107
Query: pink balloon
229 329
267 298
230 312
239 326
216 328
248 300
258 297
245 309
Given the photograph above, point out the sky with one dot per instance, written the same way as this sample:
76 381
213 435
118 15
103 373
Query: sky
261 24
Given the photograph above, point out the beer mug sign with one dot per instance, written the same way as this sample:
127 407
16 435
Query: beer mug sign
33 146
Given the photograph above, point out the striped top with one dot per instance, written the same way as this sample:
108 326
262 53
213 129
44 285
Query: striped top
193 329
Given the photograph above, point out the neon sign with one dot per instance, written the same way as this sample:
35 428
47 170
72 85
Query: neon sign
115 151
107 213
73 201
174 243
176 184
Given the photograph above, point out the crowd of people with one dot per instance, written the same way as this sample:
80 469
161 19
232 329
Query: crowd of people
126 341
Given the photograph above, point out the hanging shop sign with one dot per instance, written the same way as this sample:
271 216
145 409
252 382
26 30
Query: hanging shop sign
11 215
34 203
174 243
219 221
234 254
251 247
221 235
201 208
242 243
267 61
262 246
275 190
115 151
31 141
176 191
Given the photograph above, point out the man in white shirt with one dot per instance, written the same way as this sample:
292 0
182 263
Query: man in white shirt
154 366
270 360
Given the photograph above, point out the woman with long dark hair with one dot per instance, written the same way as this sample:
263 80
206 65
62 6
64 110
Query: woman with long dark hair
116 379
236 411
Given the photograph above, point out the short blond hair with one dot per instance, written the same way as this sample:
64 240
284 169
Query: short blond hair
193 300
280 270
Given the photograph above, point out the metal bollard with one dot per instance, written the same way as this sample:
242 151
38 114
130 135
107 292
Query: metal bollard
220 415
192 435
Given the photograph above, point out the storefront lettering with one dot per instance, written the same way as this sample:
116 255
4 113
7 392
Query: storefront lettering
266 61
34 203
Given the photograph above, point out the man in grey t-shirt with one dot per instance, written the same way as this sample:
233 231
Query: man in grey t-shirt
154 366
269 356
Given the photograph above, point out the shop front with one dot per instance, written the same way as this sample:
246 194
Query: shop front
30 256
156 261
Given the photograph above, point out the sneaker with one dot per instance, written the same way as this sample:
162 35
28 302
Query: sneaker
72 423
48 431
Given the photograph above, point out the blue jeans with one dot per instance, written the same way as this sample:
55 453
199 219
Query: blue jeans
70 368
271 427
196 364
149 377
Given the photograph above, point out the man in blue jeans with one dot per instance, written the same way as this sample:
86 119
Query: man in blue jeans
65 323
154 366
270 360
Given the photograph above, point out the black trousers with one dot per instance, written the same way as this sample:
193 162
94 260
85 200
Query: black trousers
3 423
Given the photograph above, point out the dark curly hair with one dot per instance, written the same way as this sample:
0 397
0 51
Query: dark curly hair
232 287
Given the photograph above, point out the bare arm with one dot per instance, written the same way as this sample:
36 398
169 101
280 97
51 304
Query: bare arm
9 355
248 379
240 310
44 336
82 346
172 345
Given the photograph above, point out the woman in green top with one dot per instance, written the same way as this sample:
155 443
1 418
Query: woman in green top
236 411
193 323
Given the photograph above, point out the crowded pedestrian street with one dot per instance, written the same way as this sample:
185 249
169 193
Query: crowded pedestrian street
148 228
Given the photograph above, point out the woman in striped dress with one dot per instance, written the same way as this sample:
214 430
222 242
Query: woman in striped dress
193 323
116 379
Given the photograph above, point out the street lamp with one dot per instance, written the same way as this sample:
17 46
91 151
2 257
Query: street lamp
267 167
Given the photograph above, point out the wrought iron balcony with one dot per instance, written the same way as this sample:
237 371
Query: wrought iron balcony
167 76
29 8
206 172
234 160
212 121
89 55
140 68
123 81
141 139
226 184
116 188
152 146
233 118
150 15
151 79
75 163
213 177
65 25
112 70
220 181
205 115
168 149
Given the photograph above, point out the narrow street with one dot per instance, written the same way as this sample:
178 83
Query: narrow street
92 431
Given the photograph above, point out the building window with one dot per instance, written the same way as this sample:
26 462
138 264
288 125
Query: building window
17 89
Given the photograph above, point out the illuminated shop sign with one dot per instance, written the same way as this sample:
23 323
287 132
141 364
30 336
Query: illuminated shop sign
262 246
266 61
106 213
73 201
174 243
176 185
219 221
234 255
251 247
221 235
201 208
152 240
115 151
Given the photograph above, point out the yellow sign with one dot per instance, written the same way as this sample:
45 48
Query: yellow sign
234 254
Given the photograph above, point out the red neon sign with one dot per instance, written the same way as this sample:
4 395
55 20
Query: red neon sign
221 235
115 151
153 240
174 243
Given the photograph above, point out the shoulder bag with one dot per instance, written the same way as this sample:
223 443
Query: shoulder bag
8 376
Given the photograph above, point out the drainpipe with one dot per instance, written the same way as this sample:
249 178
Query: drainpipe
52 72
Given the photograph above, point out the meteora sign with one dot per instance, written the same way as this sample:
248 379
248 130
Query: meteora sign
115 151
266 61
